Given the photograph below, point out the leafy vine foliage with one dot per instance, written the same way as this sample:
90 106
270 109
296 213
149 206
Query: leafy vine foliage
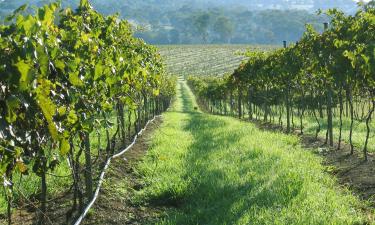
319 76
63 75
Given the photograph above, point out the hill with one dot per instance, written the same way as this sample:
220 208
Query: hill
208 21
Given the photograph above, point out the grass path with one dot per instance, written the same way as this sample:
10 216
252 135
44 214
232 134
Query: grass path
218 170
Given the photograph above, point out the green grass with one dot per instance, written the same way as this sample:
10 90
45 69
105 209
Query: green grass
204 60
219 170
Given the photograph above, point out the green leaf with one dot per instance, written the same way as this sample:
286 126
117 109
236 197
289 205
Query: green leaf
27 24
111 80
84 5
12 104
74 64
25 78
60 65
98 71
72 117
74 79
46 14
43 62
87 125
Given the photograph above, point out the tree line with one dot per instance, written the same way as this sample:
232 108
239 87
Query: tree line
323 75
196 22
189 25
68 76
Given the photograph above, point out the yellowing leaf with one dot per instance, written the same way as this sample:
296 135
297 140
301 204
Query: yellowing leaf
64 147
156 92
107 106
21 167
84 37
47 106
62 110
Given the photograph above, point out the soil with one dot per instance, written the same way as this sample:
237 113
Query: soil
26 213
351 170
114 205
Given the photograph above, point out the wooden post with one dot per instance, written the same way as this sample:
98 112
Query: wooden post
329 107
287 102
239 103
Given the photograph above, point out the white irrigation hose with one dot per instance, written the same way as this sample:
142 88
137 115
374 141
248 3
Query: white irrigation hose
101 179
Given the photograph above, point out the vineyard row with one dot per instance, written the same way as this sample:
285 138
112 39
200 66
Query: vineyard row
327 77
67 76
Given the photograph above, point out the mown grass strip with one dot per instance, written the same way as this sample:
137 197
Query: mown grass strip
219 170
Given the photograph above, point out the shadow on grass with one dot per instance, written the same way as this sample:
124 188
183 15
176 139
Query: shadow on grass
210 197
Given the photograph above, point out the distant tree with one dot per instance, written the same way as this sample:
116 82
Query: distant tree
370 5
202 22
225 28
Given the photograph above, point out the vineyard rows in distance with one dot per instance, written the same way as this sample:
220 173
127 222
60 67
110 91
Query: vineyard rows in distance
205 60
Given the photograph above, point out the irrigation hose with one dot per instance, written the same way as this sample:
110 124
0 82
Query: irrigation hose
101 179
